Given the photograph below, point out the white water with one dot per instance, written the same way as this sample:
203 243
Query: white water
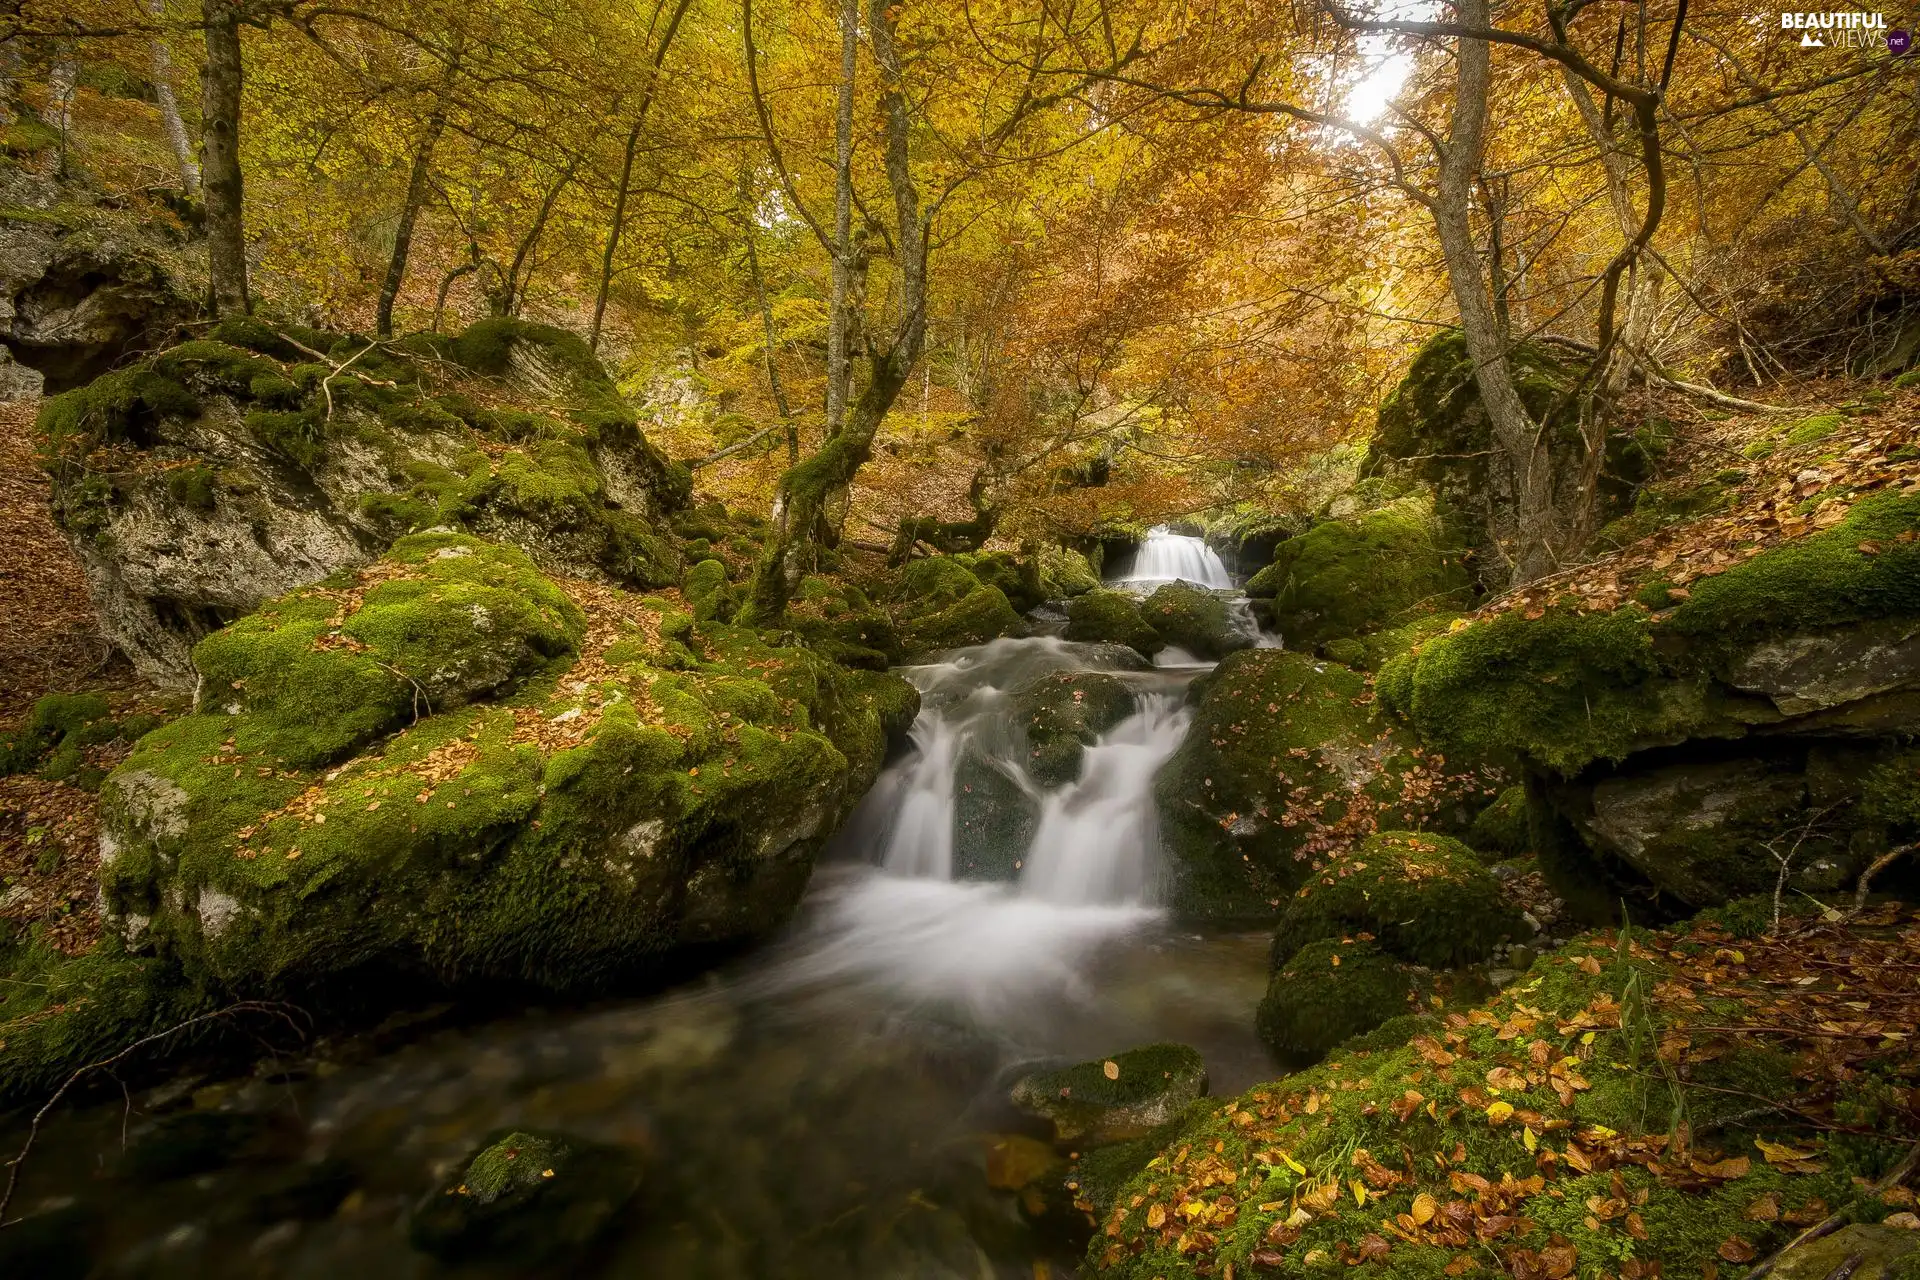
1169 557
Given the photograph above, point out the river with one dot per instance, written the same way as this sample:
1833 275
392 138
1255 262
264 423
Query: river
823 1108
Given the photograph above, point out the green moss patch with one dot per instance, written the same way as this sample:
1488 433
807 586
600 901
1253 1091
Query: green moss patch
1425 897
1194 619
1112 617
1065 714
1327 991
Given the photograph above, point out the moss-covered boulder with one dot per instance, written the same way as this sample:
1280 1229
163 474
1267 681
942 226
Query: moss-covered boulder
1348 578
202 481
1433 430
1500 829
66 735
527 1200
1126 1096
1424 897
1112 617
1329 990
480 801
1194 619
1065 573
840 622
938 603
1287 762
1065 714
59 1013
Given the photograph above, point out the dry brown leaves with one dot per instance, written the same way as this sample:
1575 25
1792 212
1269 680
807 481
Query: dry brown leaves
50 860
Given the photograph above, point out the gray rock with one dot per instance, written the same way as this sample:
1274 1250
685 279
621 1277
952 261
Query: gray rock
1876 1246
1116 1099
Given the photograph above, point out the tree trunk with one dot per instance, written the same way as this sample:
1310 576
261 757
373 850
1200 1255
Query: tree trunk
417 183
60 86
809 492
160 59
840 304
520 271
626 173
1515 435
771 346
220 160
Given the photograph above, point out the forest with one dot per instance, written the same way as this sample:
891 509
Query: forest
1002 639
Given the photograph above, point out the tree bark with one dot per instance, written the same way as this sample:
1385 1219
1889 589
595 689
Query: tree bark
60 87
417 183
809 492
1514 432
160 60
840 304
220 159
771 347
520 271
626 173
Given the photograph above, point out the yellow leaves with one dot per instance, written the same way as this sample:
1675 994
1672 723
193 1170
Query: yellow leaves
1589 964
1499 1112
1359 1189
1321 1198
1157 1216
1788 1159
1529 1139
1424 1207
1110 1069
1734 1167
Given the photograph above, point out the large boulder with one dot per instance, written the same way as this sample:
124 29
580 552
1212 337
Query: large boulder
1195 619
1064 714
1383 568
82 284
939 604
1286 764
1433 429
1686 746
994 819
1328 991
203 481
1423 897
444 763
1112 617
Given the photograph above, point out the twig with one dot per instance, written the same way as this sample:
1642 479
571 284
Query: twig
33 1129
736 447
327 390
1833 1222
1874 868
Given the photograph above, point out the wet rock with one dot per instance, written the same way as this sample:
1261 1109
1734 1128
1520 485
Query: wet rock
50 1243
1195 619
1063 715
1286 760
189 1142
1112 617
1124 1097
527 1199
994 819
1328 991
1424 897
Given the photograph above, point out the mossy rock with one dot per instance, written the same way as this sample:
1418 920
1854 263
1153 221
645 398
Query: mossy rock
839 621
61 729
1194 619
982 615
1018 579
1568 687
58 1013
935 583
1065 714
1327 991
705 587
1112 617
1348 578
1286 762
1123 1097
447 619
1065 573
994 820
564 831
1425 898
528 1199
1500 829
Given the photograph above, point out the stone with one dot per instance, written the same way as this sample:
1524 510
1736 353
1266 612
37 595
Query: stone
1063 715
527 1199
1876 1248
1116 1099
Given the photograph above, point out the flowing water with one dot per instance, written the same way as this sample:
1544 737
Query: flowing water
822 1108
1171 557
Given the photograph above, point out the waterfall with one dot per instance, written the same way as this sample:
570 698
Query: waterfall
1167 556
1095 841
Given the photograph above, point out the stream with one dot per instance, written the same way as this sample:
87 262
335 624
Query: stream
821 1108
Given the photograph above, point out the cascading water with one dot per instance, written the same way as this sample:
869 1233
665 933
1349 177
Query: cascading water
1167 556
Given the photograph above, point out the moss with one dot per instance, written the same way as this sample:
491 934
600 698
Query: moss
1285 761
486 346
1424 897
1500 829
1065 573
1112 617
528 1200
936 583
1346 578
1018 579
59 1013
838 621
982 615
705 587
1814 429
456 619
193 487
60 730
25 136
298 436
1329 990
1119 1098
1063 715
113 408
1194 619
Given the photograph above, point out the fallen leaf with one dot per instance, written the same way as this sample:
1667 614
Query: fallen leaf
1110 1069
1734 1249
1424 1207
